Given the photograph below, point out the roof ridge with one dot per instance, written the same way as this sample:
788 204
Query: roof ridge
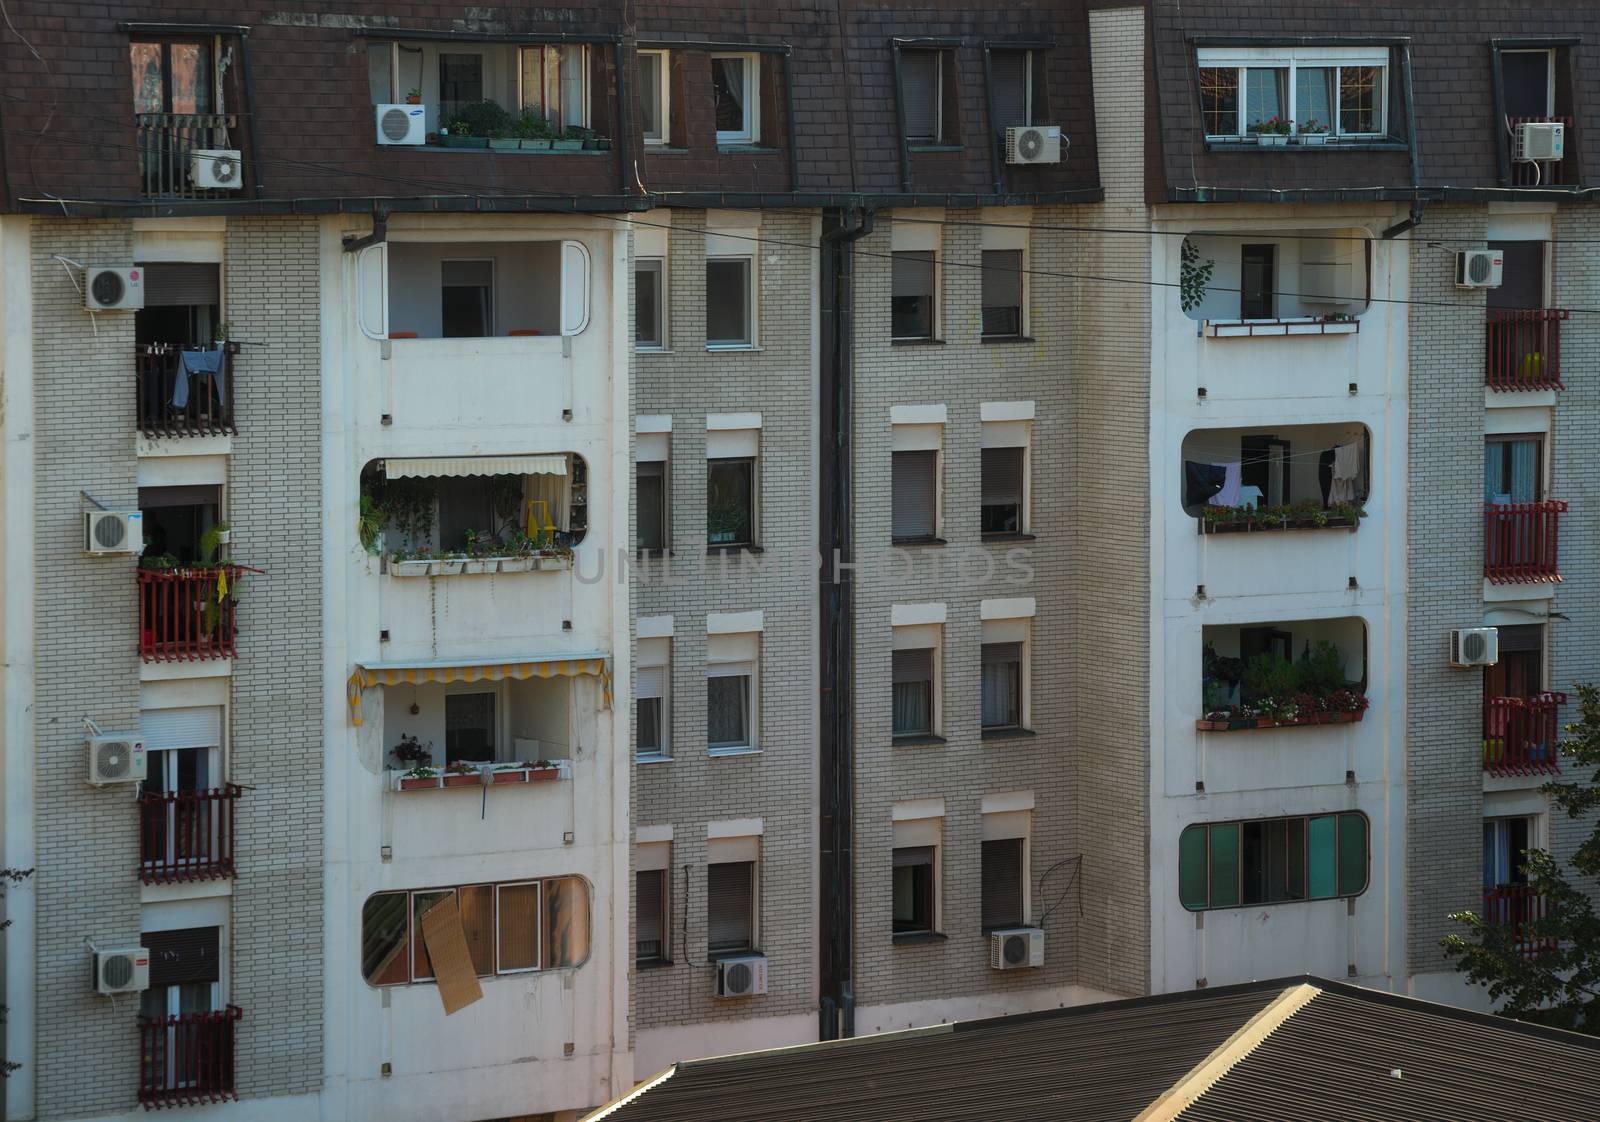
1244 1040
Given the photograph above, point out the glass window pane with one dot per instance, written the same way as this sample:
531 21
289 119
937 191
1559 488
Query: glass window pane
1000 490
647 304
651 477
1361 91
1320 857
566 922
729 502
1002 685
1219 100
730 94
1295 829
1002 292
384 961
149 89
421 964
1352 854
380 72
647 724
517 924
574 105
469 726
728 711
912 889
919 87
1265 89
1193 868
1003 893
728 301
649 894
460 83
190 77
650 96
911 288
1313 98
1224 864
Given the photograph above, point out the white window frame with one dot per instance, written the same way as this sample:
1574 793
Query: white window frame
1011 434
502 716
546 86
752 102
751 315
538 925
663 90
659 267
656 654
1017 630
1291 58
752 707
916 637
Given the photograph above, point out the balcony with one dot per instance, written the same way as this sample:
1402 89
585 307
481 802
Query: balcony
1283 675
187 835
1516 908
174 399
1520 734
187 1059
1521 542
1542 173
166 145
188 614
1524 349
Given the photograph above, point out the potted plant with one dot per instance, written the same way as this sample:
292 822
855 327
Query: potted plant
414 95
221 334
504 140
1313 132
569 141
411 753
419 778
598 143
462 773
1273 132
448 566
402 564
510 773
542 771
533 131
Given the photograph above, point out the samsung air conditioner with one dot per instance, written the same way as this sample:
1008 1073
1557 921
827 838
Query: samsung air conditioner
402 124
113 288
117 759
1016 948
121 970
216 169
742 976
113 531
1479 268
1033 144
1475 646
1539 140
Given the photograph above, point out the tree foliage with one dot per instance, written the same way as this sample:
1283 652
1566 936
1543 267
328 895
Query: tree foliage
9 877
1560 983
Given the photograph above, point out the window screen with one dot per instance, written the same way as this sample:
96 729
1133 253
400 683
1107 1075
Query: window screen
1002 883
915 485
729 899
920 90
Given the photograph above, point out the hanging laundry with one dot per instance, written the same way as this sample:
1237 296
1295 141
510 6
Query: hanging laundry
1200 482
193 364
1229 495
1325 474
1346 470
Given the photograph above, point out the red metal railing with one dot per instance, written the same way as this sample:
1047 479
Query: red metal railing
1515 906
185 615
187 1059
1521 542
187 835
1545 173
1524 349
1520 734
209 409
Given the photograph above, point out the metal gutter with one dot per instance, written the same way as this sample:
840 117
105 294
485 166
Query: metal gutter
144 27
257 183
704 45
412 34
619 142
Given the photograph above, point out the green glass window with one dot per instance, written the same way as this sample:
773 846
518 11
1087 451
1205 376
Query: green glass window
1272 860
1352 854
1193 879
1321 860
1224 864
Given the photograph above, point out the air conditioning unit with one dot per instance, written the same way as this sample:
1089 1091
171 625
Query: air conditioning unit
743 976
1034 144
402 124
1539 140
113 531
1016 948
1475 646
1479 268
122 970
113 288
116 759
216 169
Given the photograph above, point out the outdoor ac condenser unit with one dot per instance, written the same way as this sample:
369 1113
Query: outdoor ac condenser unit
742 976
402 124
1016 948
113 531
1479 268
121 970
1033 144
113 288
1475 646
1539 140
117 759
216 169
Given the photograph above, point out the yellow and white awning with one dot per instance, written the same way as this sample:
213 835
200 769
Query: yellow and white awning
455 466
417 673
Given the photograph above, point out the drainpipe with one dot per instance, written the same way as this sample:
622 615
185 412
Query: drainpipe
380 233
836 663
1411 149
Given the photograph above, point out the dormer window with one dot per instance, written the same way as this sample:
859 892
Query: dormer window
1311 93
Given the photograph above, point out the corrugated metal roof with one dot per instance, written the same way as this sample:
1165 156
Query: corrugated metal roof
1317 1055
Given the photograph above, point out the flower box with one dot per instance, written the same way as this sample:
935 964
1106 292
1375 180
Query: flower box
504 143
458 780
464 141
1248 525
550 563
511 775
404 782
529 145
567 145
1313 138
514 564
447 568
1319 717
1294 325
543 774
478 565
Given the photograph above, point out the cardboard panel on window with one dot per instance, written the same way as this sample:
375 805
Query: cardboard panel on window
452 960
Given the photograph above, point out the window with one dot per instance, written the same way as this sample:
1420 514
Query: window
565 933
652 683
912 294
1512 469
730 906
728 302
516 928
651 479
650 922
913 692
469 726
1002 685
1002 292
913 890
649 304
1528 83
1011 86
1257 291
466 299
1505 842
922 93
1324 91
1519 673
736 98
172 77
730 501
185 754
1522 279
1004 891
1275 860
1001 489
555 82
915 494
728 689
460 83
655 96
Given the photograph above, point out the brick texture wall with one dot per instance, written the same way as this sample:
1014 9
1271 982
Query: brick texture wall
274 507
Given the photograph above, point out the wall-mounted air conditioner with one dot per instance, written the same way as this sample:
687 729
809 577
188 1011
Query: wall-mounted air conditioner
742 976
113 288
1475 646
1016 948
113 531
402 124
1479 268
117 759
121 970
1034 144
216 169
1539 140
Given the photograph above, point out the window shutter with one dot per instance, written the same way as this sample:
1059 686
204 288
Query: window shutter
650 681
518 924
728 900
914 665
188 954
1002 883
1002 476
172 283
647 895
919 84
1008 72
199 727
913 856
911 273
1002 291
915 474
1353 854
1192 873
1522 637
478 923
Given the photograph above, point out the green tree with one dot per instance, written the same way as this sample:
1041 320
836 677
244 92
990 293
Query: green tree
1559 984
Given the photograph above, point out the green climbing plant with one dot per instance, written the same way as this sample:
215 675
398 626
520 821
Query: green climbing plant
1194 275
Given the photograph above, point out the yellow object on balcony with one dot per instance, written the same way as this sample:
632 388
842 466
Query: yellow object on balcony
417 673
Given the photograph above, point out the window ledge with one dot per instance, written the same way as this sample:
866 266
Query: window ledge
916 938
916 342
736 148
1007 734
652 964
927 540
936 147
745 952
662 148
653 758
1008 536
1284 149
1001 340
735 547
653 554
720 753
919 740
715 347
638 350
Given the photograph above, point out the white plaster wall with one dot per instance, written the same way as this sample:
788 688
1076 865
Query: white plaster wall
1271 384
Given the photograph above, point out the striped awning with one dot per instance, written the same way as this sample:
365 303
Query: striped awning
417 673
474 465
